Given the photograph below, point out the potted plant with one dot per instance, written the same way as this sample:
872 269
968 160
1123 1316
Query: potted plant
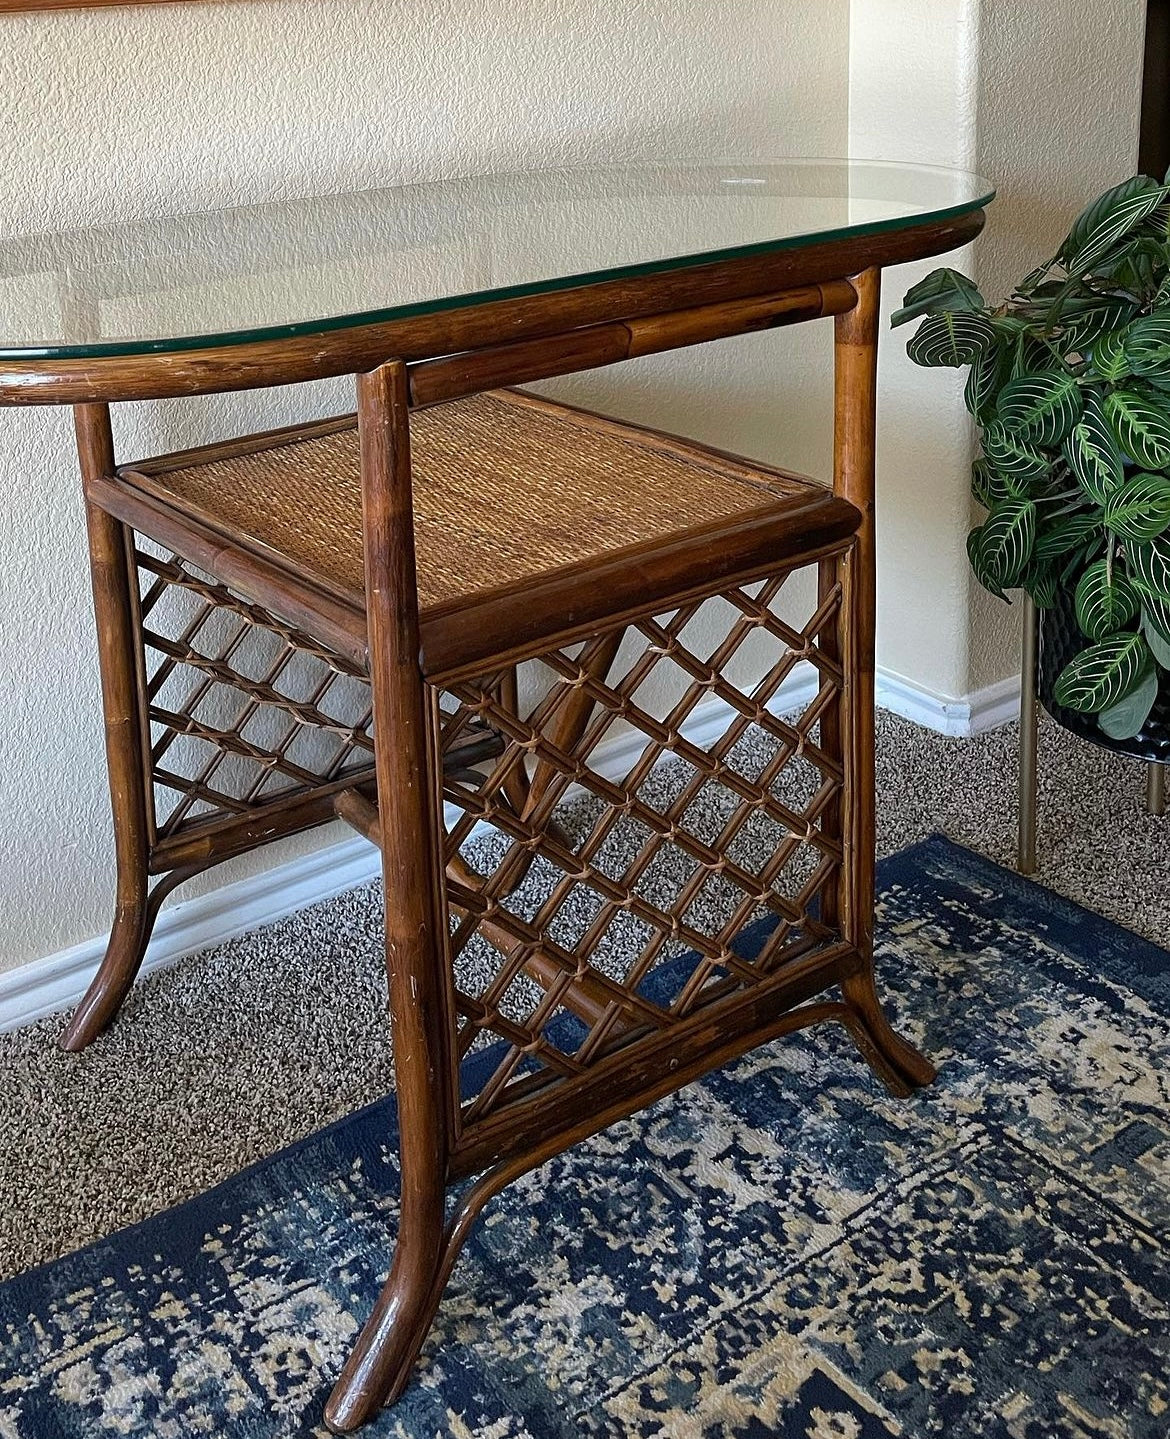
1069 385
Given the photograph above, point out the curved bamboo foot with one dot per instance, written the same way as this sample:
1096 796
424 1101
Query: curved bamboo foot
895 1061
379 1367
133 925
111 984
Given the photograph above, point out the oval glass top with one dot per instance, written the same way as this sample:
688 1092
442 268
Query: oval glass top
298 267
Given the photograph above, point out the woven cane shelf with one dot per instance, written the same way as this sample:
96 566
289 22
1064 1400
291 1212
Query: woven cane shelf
509 491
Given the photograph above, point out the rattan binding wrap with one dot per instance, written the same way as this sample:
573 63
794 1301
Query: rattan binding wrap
505 487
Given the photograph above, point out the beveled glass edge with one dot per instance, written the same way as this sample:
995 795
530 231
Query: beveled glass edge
223 340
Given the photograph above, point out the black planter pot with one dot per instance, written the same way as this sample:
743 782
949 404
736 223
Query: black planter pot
1060 639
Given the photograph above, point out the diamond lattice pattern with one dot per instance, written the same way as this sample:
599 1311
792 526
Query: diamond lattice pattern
242 707
649 802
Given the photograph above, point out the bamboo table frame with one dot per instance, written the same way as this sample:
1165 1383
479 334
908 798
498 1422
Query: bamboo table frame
402 364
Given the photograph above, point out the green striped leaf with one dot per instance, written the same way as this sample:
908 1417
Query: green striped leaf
1135 265
983 484
1105 600
1149 567
1093 213
1147 346
1141 427
988 373
1157 633
941 290
1109 219
991 488
950 339
1030 355
1012 454
1042 584
1042 407
1108 358
1128 716
1103 674
1139 509
1092 453
1064 534
981 571
1000 554
1082 324
1157 226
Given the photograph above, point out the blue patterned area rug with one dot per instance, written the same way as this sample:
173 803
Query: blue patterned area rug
778 1251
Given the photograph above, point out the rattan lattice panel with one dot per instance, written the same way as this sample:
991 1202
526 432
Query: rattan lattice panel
648 802
243 708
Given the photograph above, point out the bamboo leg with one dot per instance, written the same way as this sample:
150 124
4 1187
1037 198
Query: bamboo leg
92 1014
1029 739
837 902
406 757
114 608
895 1061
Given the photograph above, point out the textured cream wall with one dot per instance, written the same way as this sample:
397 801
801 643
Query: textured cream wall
112 114
1042 99
913 77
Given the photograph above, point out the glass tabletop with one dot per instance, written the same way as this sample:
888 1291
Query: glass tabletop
298 267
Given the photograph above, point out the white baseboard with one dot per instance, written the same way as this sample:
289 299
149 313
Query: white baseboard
56 983
976 713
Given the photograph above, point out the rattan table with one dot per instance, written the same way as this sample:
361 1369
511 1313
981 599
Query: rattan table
343 619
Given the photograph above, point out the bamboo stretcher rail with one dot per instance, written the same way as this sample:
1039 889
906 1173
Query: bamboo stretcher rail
433 382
